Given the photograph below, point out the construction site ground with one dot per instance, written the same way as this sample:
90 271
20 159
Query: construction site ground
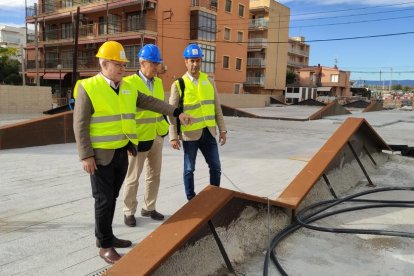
46 207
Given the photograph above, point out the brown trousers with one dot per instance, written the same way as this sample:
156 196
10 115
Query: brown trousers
152 160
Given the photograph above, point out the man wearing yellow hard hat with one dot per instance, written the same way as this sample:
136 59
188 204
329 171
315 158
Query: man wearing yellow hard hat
105 131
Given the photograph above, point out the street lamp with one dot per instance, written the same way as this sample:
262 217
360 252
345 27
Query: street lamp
59 67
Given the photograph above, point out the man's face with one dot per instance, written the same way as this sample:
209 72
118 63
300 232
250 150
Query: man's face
149 68
193 65
113 70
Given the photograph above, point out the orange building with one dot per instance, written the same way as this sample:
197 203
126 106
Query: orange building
298 53
268 47
169 24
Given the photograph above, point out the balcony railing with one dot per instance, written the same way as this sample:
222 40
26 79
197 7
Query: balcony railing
260 23
255 81
298 52
256 62
97 30
52 6
257 42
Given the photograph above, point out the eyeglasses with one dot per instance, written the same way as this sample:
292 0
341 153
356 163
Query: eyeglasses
119 65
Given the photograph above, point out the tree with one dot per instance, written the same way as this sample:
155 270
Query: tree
291 77
9 67
396 87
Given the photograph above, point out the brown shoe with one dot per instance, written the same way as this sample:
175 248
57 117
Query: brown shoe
130 220
118 243
153 214
109 255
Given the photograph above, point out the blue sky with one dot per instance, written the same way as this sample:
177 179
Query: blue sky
386 54
365 58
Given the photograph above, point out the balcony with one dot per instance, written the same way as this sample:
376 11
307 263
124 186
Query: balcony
257 43
96 32
259 24
254 81
256 62
49 7
298 52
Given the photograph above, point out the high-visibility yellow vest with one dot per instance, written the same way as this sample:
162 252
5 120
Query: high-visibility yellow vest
149 123
113 121
199 102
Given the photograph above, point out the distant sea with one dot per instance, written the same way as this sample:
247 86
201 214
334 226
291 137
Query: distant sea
385 82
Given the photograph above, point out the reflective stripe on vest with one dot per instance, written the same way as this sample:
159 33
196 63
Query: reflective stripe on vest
199 102
149 123
113 121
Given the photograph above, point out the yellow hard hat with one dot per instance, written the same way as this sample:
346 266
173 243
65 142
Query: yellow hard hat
112 50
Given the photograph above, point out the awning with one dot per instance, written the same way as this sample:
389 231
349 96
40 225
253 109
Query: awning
88 74
54 76
33 75
324 89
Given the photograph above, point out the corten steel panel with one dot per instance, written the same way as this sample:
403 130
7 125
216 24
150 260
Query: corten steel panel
56 129
373 106
164 241
333 108
293 195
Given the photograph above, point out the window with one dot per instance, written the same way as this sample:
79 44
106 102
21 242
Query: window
66 58
227 34
209 59
135 21
227 8
101 25
131 54
238 63
334 78
239 37
51 59
237 87
51 32
226 62
241 10
114 23
203 26
67 30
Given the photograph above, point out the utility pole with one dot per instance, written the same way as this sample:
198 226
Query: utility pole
75 50
36 46
389 89
22 54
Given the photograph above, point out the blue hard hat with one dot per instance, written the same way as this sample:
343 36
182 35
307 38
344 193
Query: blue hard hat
193 51
150 52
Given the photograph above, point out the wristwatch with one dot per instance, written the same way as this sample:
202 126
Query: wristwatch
223 131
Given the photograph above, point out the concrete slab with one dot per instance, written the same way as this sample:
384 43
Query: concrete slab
292 112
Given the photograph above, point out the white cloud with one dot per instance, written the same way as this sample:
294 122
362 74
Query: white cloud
10 4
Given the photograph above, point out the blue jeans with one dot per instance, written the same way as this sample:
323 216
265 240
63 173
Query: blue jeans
208 147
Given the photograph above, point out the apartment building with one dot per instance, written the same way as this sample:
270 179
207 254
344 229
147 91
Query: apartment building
298 53
267 48
171 25
12 36
320 82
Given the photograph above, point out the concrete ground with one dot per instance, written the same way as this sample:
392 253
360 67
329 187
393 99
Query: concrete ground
46 207
292 112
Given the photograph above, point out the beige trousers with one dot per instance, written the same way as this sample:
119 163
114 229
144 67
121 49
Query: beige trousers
152 160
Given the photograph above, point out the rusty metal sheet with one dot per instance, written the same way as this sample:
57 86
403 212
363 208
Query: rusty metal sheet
296 191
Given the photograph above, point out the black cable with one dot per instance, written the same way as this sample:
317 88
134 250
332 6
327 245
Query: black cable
305 216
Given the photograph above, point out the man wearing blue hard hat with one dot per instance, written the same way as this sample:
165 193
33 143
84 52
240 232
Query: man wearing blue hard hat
197 95
151 129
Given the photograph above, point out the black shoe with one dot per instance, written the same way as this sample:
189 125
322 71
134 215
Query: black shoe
118 243
130 220
153 214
